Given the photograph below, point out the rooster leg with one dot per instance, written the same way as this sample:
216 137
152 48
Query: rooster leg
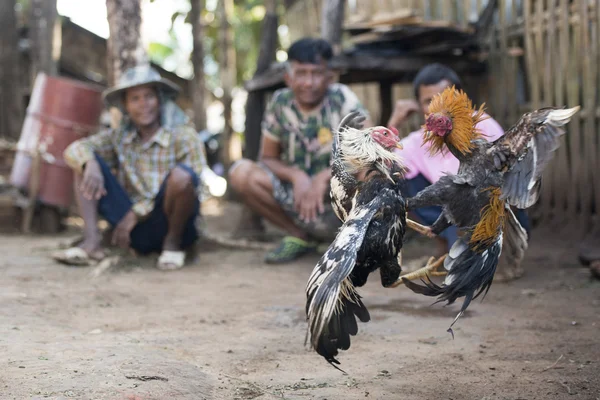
431 269
422 229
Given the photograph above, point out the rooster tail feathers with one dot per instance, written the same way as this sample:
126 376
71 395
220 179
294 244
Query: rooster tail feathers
333 304
333 323
470 273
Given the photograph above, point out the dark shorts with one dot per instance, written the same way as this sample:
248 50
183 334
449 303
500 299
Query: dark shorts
327 224
149 234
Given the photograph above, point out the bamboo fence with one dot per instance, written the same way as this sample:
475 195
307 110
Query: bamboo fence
540 53
545 53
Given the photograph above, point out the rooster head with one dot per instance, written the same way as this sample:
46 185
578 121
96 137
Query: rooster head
452 120
387 138
363 149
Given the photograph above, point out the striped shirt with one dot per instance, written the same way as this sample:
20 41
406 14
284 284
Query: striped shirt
140 167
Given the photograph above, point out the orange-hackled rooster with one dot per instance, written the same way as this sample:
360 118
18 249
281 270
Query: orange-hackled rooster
491 176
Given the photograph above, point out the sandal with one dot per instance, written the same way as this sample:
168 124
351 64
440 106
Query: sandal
76 256
171 260
290 249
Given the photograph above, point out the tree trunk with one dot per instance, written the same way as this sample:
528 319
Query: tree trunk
41 33
198 84
332 20
255 104
227 72
125 49
250 223
11 98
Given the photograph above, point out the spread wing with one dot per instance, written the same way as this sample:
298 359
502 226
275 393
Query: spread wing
343 184
525 150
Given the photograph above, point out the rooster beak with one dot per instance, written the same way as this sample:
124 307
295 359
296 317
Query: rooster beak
399 146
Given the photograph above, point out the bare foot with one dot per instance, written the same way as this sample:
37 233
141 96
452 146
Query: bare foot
93 247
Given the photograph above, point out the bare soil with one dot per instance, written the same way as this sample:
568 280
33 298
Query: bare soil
230 327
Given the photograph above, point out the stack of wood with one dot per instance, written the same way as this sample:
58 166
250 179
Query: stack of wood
406 32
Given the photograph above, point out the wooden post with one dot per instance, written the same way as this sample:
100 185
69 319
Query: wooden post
385 99
11 98
332 20
41 33
198 83
227 72
255 104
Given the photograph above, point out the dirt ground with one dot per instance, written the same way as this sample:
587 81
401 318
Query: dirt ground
230 327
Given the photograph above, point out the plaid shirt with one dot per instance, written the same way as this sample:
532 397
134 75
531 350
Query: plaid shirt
141 167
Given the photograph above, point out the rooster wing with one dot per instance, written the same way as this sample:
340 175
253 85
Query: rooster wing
525 150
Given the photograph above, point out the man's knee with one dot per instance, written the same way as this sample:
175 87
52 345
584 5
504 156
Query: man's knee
182 179
240 174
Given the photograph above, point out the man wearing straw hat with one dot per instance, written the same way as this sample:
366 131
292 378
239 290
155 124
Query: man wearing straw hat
142 177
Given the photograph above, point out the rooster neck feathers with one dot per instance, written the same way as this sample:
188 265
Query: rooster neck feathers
455 106
359 152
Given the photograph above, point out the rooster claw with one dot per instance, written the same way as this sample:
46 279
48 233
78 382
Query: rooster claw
431 269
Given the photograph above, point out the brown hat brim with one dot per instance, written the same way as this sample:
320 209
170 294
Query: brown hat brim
114 96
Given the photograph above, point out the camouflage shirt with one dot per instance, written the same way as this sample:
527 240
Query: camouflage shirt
305 138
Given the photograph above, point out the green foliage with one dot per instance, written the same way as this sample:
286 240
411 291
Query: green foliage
246 23
160 51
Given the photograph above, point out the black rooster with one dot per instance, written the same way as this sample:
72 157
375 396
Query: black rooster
491 176
374 220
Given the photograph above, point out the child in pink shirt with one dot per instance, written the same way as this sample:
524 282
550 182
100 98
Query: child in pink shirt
422 168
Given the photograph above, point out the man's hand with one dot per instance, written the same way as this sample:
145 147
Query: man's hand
402 110
311 203
92 182
121 234
302 184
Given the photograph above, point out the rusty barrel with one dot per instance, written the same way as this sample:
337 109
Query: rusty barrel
60 111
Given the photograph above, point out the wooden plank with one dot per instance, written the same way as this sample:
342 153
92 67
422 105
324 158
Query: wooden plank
532 73
567 70
447 10
553 170
385 101
494 76
502 91
561 55
384 17
543 73
573 88
589 133
596 73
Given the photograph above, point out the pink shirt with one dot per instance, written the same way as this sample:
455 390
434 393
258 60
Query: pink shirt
418 161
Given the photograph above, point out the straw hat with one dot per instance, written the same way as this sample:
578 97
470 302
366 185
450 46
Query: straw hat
137 76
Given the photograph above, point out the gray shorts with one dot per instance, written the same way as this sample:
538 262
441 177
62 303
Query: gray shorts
327 224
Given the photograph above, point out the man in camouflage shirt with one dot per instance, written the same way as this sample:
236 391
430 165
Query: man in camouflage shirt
290 185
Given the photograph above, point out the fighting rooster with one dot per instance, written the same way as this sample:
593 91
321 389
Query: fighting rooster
374 219
492 176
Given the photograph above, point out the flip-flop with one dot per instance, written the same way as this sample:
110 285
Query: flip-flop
76 256
171 260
